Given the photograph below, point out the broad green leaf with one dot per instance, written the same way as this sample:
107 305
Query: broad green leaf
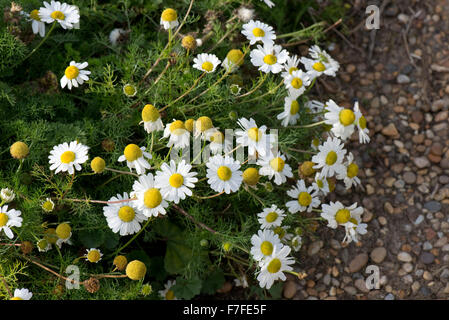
213 282
91 238
177 257
187 288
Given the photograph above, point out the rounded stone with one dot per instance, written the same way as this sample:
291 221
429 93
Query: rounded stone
378 254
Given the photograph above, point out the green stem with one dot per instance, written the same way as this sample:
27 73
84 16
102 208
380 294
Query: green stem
42 41
133 238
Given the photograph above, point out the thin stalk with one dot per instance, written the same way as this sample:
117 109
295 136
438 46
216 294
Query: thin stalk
42 41
133 238
122 172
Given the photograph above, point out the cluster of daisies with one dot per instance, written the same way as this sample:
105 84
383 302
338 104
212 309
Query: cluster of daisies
174 181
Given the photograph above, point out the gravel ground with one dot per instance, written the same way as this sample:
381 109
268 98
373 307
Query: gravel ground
400 75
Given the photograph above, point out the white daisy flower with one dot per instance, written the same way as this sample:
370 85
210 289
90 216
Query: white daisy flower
321 184
48 205
66 15
151 119
167 293
271 217
149 198
75 75
43 245
283 234
93 255
360 121
273 267
7 195
178 136
64 233
296 243
129 90
337 214
9 219
201 126
269 58
291 65
316 108
169 19
264 243
290 115
315 144
330 158
233 60
135 158
269 3
296 83
37 24
256 31
275 166
68 157
253 137
224 174
321 63
206 62
22 294
353 228
121 217
175 181
216 139
306 198
350 175
341 119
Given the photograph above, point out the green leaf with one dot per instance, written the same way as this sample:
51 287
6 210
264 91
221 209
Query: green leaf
276 291
91 238
111 240
177 257
157 268
168 230
187 288
213 282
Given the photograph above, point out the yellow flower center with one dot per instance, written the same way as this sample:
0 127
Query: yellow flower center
203 124
57 15
3 219
316 142
150 113
67 157
235 56
217 137
48 206
251 176
176 180
304 199
266 248
63 231
177 127
50 235
42 244
270 59
271 217
16 298
169 15
170 295
188 42
274 265
98 164
132 152
331 158
292 69
320 183
362 122
277 164
71 72
19 150
189 124
93 256
319 66
35 15
126 214
342 216
207 66
129 90
307 168
254 134
353 170
152 198
224 173
279 231
296 83
257 32
294 107
347 117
